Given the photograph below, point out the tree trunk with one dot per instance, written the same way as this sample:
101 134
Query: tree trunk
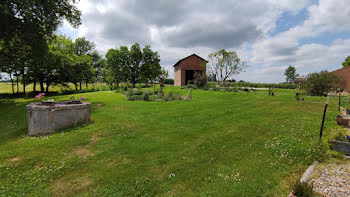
47 88
24 83
34 86
76 86
17 85
12 84
80 85
42 89
86 83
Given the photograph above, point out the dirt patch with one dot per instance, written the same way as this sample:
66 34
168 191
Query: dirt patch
120 108
82 152
94 138
71 187
14 159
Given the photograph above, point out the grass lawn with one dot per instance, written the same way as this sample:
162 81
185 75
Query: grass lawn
218 144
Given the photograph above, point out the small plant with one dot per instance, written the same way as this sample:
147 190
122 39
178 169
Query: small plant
146 96
302 189
41 97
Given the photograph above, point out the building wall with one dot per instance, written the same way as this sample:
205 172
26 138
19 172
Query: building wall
191 63
344 76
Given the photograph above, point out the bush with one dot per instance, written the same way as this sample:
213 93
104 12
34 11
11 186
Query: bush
319 84
302 189
146 97
135 98
169 81
199 79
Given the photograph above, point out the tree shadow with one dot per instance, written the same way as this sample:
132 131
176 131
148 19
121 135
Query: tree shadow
13 120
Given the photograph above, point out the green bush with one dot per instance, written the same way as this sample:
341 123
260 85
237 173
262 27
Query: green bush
321 83
302 189
135 98
169 81
146 96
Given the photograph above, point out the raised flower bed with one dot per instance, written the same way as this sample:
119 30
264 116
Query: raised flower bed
44 118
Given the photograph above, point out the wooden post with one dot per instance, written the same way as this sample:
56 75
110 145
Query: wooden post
324 114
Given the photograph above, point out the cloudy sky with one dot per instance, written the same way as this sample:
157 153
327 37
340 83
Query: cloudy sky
312 35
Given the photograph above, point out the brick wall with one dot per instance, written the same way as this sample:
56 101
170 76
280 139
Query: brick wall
344 76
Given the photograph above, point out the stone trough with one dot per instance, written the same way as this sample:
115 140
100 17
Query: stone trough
48 118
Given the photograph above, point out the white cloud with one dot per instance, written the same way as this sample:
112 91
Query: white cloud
177 30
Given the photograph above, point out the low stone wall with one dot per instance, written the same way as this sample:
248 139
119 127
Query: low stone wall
44 119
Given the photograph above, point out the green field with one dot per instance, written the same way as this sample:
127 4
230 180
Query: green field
217 144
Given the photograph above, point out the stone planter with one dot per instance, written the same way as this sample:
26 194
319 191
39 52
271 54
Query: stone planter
347 111
340 146
343 120
44 119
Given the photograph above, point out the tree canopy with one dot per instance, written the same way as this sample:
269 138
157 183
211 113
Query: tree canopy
224 64
346 62
290 74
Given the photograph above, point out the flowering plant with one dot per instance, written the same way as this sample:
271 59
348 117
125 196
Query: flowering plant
41 97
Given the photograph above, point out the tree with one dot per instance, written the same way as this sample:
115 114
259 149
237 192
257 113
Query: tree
25 28
84 70
135 63
150 68
161 78
346 62
34 21
53 67
224 64
321 83
290 74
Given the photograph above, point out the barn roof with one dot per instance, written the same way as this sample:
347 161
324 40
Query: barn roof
299 80
340 69
188 57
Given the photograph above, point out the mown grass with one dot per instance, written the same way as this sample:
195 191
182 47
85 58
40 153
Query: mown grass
218 144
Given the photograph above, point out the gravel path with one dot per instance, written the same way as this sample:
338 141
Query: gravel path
332 179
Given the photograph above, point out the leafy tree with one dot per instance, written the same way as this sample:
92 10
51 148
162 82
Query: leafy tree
54 66
135 63
320 83
33 21
150 68
346 62
113 67
290 74
25 28
84 70
224 64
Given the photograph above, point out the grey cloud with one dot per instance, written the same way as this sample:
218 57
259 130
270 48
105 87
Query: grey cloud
212 35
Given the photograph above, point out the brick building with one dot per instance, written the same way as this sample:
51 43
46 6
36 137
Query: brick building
185 68
344 76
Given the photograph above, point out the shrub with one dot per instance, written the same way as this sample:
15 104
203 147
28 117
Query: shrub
135 98
302 189
321 83
169 81
199 79
146 97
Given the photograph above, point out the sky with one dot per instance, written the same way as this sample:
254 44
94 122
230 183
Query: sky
270 35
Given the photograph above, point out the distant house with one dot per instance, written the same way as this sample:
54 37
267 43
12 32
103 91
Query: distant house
185 68
343 75
300 81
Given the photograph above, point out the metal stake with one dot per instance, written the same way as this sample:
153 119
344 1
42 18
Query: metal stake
324 114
